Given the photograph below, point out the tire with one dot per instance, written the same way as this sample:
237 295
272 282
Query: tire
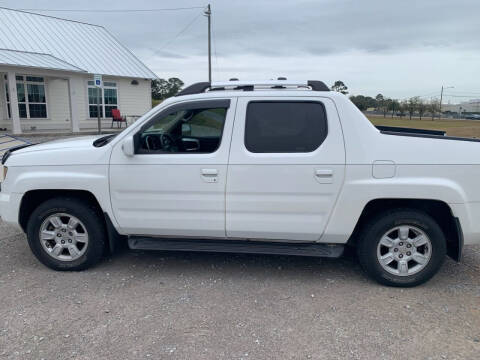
381 241
83 244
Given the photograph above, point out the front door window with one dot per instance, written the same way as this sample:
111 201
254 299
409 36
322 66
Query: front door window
32 101
108 99
193 130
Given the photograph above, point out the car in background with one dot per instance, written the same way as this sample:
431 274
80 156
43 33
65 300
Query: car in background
472 116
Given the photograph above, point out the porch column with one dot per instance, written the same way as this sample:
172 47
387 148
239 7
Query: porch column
74 110
12 91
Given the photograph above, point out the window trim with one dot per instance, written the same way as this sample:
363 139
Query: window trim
6 90
103 117
26 82
283 102
194 104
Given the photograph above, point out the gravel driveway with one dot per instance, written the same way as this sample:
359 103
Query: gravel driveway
155 305
158 305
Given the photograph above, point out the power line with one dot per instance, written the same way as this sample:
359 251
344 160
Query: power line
425 95
461 96
215 48
178 34
451 94
465 93
115 10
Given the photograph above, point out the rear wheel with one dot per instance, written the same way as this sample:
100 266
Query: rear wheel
66 234
402 248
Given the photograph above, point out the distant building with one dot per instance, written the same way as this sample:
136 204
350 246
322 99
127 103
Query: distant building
46 72
471 106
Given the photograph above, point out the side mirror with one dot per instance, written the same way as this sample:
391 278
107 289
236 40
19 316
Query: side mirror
127 146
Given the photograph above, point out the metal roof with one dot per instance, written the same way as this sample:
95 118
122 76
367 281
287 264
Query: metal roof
85 46
37 60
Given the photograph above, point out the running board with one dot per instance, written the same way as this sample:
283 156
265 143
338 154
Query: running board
236 246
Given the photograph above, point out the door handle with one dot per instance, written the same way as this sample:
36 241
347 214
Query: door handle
209 175
324 173
324 176
210 172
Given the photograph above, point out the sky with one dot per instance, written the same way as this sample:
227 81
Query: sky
397 48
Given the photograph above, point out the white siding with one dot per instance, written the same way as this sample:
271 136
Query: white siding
57 98
134 99
58 103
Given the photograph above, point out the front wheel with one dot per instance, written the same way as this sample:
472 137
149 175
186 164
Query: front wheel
66 234
402 248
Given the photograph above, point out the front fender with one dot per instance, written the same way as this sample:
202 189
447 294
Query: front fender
91 178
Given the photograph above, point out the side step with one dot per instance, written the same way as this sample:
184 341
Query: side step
237 246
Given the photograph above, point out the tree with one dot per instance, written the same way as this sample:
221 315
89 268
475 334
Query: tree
402 106
434 107
393 105
387 105
339 86
363 102
380 100
359 102
163 89
421 108
412 105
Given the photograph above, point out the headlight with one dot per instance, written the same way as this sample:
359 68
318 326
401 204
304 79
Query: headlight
3 172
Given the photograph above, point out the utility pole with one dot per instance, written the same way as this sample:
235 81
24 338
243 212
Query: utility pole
99 122
98 82
208 14
441 98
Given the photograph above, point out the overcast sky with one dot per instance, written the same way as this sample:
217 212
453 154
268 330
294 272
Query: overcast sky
398 48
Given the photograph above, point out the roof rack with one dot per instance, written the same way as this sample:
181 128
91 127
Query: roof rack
201 87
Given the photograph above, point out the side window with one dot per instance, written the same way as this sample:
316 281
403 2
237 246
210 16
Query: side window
184 131
285 127
206 123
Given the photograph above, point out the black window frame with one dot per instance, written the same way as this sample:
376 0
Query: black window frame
284 102
190 105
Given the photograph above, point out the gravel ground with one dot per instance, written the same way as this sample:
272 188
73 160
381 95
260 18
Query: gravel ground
159 305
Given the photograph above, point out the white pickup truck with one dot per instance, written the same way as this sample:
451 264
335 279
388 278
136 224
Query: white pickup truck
275 167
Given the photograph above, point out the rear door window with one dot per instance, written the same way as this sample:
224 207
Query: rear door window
285 127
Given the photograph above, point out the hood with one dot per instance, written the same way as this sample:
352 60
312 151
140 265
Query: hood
70 151
75 142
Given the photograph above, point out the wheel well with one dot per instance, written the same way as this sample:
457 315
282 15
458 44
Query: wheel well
438 210
32 199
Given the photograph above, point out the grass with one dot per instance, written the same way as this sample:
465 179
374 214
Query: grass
461 128
155 102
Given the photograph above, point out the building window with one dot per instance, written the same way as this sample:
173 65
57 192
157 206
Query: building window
32 101
92 102
108 99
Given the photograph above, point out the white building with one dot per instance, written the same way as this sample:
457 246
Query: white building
471 106
46 72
